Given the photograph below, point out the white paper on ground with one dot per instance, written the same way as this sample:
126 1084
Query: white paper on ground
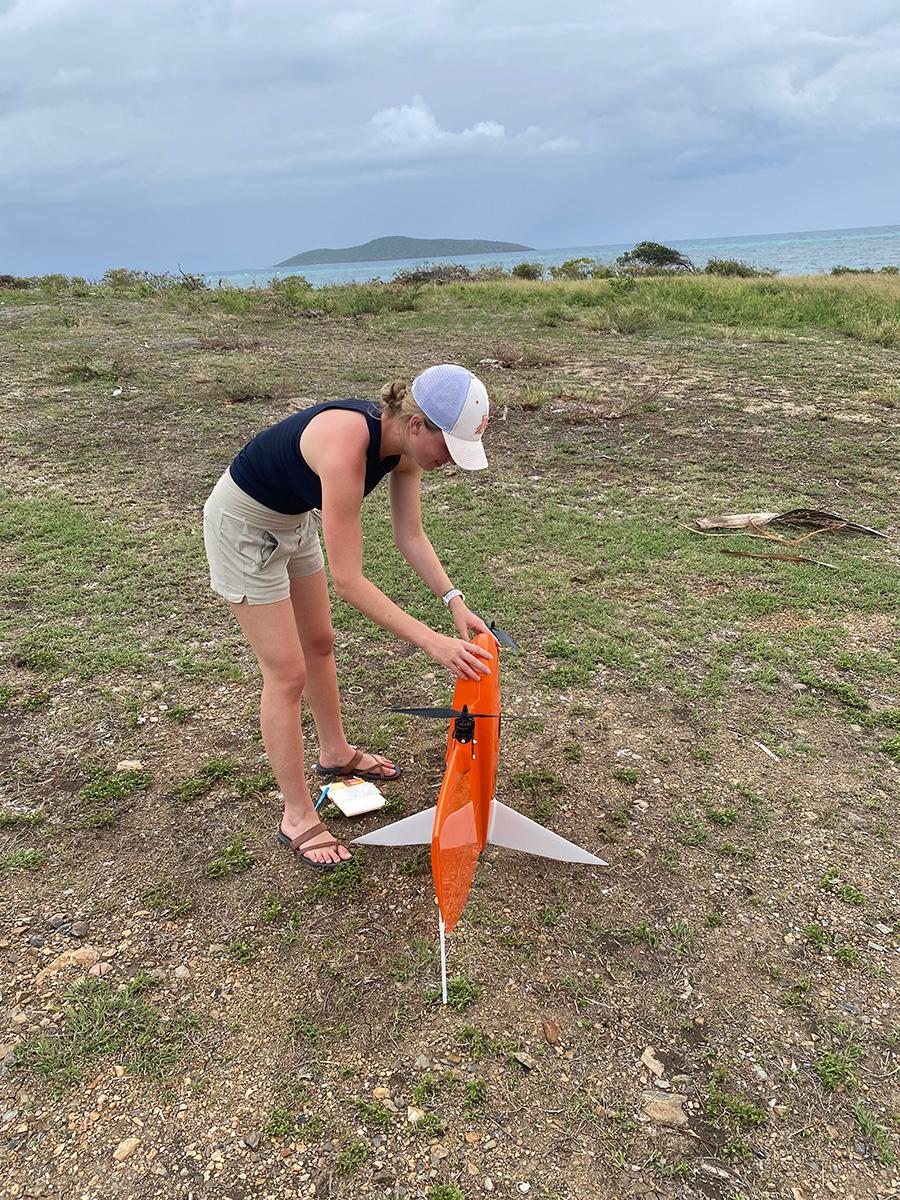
355 796
411 831
511 830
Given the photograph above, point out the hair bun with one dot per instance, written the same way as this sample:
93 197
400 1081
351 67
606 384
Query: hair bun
393 393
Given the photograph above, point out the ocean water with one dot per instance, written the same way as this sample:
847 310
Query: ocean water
813 253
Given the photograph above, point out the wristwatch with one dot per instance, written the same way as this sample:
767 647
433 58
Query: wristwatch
451 595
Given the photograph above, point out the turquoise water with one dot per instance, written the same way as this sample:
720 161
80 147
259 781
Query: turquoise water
811 253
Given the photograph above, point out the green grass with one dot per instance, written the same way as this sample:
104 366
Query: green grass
65 551
373 1112
446 1191
461 992
232 860
22 860
339 882
836 1068
474 1093
212 773
578 540
281 1124
859 307
876 1133
99 1022
245 952
165 898
640 934
352 1157
832 882
724 1105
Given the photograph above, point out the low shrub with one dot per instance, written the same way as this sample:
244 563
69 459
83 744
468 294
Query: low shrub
582 268
652 258
888 270
735 266
527 270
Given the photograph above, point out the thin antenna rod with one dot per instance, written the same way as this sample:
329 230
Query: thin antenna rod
443 959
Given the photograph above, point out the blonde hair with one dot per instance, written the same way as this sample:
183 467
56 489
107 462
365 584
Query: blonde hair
397 401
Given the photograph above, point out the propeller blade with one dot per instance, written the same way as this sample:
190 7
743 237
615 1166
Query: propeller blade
450 714
503 637
439 714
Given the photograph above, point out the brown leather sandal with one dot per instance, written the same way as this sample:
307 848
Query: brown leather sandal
296 845
378 774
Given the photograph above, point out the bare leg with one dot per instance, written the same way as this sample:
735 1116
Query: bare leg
271 631
312 613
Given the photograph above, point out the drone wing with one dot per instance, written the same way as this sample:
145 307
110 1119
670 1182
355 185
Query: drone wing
411 831
511 830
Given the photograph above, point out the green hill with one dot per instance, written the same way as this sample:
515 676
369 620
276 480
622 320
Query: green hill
386 249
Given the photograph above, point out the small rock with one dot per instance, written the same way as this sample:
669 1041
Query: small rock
524 1060
126 1148
414 1115
652 1063
252 1140
35 940
664 1110
78 929
524 1188
56 920
84 956
98 970
422 1063
385 1176
381 1093
129 764
551 1033
487 1183
472 1137
182 973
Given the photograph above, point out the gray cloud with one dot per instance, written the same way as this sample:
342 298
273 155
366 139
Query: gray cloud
239 131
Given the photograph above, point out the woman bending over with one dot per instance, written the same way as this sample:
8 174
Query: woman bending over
260 529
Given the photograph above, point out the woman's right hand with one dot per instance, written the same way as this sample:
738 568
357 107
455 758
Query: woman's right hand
464 659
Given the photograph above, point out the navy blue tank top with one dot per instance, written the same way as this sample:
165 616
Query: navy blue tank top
271 469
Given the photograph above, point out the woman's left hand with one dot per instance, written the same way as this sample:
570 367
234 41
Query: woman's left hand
466 621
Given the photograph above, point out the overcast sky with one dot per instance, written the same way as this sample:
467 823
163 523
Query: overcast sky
218 134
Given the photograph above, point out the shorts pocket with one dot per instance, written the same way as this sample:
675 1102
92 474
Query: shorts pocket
253 548
268 547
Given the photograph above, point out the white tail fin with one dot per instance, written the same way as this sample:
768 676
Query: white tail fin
510 829
411 831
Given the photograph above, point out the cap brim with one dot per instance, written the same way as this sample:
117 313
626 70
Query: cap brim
468 455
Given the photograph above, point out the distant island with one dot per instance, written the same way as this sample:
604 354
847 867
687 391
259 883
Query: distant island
386 249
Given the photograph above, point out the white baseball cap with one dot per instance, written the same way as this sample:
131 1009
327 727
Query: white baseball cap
457 402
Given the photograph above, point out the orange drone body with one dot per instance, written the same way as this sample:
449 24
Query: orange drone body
467 817
462 816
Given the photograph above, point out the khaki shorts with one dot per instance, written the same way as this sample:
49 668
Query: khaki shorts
253 551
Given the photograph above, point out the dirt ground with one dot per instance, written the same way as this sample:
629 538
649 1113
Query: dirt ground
189 1012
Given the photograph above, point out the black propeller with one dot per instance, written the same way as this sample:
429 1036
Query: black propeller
503 637
445 714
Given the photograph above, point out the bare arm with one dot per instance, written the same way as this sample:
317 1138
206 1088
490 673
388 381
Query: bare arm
338 456
412 542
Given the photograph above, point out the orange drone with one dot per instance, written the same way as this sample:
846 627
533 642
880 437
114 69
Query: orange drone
466 817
